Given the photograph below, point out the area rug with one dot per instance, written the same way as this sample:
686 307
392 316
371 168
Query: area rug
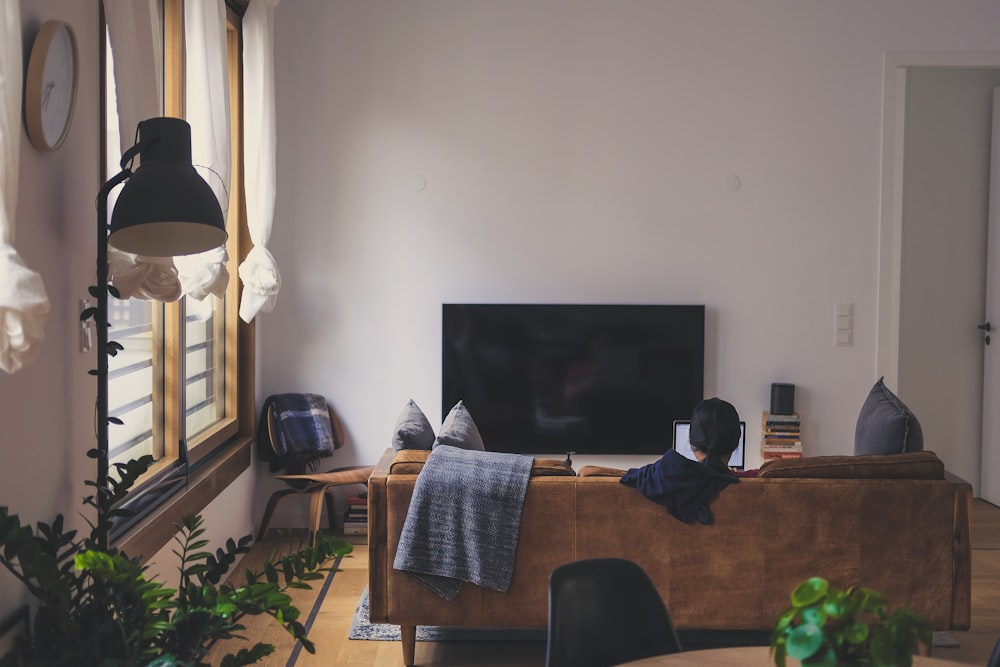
361 628
944 640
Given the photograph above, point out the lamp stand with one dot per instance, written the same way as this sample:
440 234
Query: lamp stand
164 210
104 350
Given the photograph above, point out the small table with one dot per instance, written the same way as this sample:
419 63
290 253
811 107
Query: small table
746 656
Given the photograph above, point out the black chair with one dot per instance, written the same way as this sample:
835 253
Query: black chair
994 660
605 611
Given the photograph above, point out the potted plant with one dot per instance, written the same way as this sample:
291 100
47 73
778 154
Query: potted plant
96 607
827 627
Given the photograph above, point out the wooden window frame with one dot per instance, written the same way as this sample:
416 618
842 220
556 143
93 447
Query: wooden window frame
224 452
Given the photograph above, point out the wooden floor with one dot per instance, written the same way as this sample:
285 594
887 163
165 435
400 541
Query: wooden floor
333 619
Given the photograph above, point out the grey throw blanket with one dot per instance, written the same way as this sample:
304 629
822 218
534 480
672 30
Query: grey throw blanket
463 520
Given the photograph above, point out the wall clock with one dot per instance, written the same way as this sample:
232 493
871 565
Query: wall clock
50 85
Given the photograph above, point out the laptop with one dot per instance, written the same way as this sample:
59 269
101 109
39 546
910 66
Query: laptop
682 443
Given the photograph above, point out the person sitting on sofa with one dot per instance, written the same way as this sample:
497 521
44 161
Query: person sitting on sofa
686 487
715 433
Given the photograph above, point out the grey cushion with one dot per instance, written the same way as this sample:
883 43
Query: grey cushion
458 430
886 425
412 430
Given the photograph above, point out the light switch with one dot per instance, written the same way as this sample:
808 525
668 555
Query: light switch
843 324
86 332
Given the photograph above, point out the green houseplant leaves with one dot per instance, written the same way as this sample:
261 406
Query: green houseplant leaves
98 608
827 627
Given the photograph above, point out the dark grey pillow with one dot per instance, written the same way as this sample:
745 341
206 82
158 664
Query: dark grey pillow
412 430
886 425
458 430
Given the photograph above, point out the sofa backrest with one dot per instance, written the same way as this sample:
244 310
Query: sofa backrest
910 465
411 461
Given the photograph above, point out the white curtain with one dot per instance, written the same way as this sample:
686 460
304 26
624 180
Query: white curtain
259 271
135 35
24 304
207 95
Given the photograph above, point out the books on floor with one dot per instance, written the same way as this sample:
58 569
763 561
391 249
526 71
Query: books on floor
356 516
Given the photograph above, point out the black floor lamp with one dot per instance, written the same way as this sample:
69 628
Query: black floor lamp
165 209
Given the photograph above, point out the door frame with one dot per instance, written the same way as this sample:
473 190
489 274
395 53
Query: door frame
895 65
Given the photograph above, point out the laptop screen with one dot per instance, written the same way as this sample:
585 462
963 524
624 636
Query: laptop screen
682 443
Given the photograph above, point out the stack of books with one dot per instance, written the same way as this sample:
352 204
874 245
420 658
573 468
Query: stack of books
356 516
781 437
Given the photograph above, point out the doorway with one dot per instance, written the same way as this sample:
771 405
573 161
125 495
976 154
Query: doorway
932 264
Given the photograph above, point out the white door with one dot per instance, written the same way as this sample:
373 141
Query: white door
945 207
989 483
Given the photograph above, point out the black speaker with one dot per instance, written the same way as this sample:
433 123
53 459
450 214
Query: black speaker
782 398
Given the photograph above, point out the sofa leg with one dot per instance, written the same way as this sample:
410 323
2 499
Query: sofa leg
408 635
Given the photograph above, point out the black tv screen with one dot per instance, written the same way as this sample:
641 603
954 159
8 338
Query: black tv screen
591 379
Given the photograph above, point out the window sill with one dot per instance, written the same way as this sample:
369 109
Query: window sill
205 485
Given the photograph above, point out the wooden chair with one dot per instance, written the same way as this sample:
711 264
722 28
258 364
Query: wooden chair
315 485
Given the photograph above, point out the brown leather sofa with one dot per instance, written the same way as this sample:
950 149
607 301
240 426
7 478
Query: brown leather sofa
896 523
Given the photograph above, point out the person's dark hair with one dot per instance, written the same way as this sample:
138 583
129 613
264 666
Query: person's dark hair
715 432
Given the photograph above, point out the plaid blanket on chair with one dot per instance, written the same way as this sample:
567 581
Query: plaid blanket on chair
304 433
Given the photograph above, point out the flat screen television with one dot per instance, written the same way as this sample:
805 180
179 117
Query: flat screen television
591 379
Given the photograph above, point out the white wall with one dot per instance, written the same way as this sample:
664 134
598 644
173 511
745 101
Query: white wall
47 408
228 516
578 151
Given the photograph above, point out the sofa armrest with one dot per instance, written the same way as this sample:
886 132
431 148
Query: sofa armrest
961 613
378 531
955 479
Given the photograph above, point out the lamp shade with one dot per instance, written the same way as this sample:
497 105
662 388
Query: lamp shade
165 208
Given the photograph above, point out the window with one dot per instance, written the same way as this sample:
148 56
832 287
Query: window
185 374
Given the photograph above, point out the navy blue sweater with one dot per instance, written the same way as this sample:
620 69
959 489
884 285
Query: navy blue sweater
683 486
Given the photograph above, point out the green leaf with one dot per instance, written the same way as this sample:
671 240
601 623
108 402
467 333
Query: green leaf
814 616
804 641
884 652
825 658
307 645
810 591
856 632
835 603
247 656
